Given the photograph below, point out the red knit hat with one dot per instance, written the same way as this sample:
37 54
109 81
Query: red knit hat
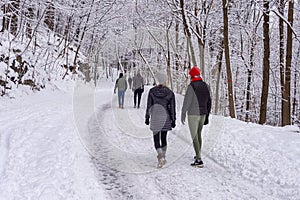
195 71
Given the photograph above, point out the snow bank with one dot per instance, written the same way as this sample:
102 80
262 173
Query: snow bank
267 156
41 155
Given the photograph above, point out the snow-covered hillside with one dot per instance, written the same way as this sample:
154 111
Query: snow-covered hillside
25 67
57 144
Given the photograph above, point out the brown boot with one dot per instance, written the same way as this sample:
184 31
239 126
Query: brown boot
160 160
164 151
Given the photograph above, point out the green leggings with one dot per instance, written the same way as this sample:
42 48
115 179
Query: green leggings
196 124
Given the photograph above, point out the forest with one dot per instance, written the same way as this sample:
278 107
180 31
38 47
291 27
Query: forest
248 51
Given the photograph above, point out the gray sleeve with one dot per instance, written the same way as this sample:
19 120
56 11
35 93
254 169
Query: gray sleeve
134 83
187 101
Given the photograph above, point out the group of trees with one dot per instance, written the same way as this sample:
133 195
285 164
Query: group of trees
247 50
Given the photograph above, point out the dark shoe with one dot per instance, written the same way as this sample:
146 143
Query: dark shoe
134 106
197 163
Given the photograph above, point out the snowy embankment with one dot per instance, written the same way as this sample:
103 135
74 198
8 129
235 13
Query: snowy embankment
267 156
41 156
48 138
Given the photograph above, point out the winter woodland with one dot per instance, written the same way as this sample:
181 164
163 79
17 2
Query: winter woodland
248 51
63 137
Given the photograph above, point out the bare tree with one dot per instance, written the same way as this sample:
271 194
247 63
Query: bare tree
169 56
286 105
188 33
281 54
227 59
10 16
266 64
49 15
219 68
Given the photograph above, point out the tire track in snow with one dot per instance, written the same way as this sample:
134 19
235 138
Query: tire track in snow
115 182
120 184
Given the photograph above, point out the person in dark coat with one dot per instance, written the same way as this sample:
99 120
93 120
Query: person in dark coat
137 88
161 115
197 104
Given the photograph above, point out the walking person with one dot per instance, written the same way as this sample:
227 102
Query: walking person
161 115
138 88
197 105
121 84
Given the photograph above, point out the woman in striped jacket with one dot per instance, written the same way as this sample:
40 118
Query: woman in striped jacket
161 115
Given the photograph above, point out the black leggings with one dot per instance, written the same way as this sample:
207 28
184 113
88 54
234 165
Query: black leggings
160 139
137 94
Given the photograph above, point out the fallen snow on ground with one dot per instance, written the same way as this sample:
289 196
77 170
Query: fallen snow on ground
41 156
75 143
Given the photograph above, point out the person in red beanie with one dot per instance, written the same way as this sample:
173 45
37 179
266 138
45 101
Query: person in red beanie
197 105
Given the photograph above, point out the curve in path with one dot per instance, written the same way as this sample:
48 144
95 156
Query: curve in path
125 158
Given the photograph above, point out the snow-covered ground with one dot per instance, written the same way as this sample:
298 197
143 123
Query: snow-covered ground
75 143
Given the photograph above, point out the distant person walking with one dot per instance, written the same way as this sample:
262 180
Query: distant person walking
138 88
161 115
121 84
197 104
130 82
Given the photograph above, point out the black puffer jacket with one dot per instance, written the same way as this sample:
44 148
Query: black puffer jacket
197 100
161 108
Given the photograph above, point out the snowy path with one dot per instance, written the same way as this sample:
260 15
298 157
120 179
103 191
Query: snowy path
111 154
124 155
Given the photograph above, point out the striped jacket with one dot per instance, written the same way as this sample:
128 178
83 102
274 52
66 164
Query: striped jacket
161 108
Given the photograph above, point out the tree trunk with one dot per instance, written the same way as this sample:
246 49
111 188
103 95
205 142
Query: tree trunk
49 15
177 46
10 17
29 14
227 59
66 49
281 56
294 100
14 10
96 64
219 63
286 109
200 40
169 60
266 64
188 33
248 94
82 36
4 18
249 80
7 69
